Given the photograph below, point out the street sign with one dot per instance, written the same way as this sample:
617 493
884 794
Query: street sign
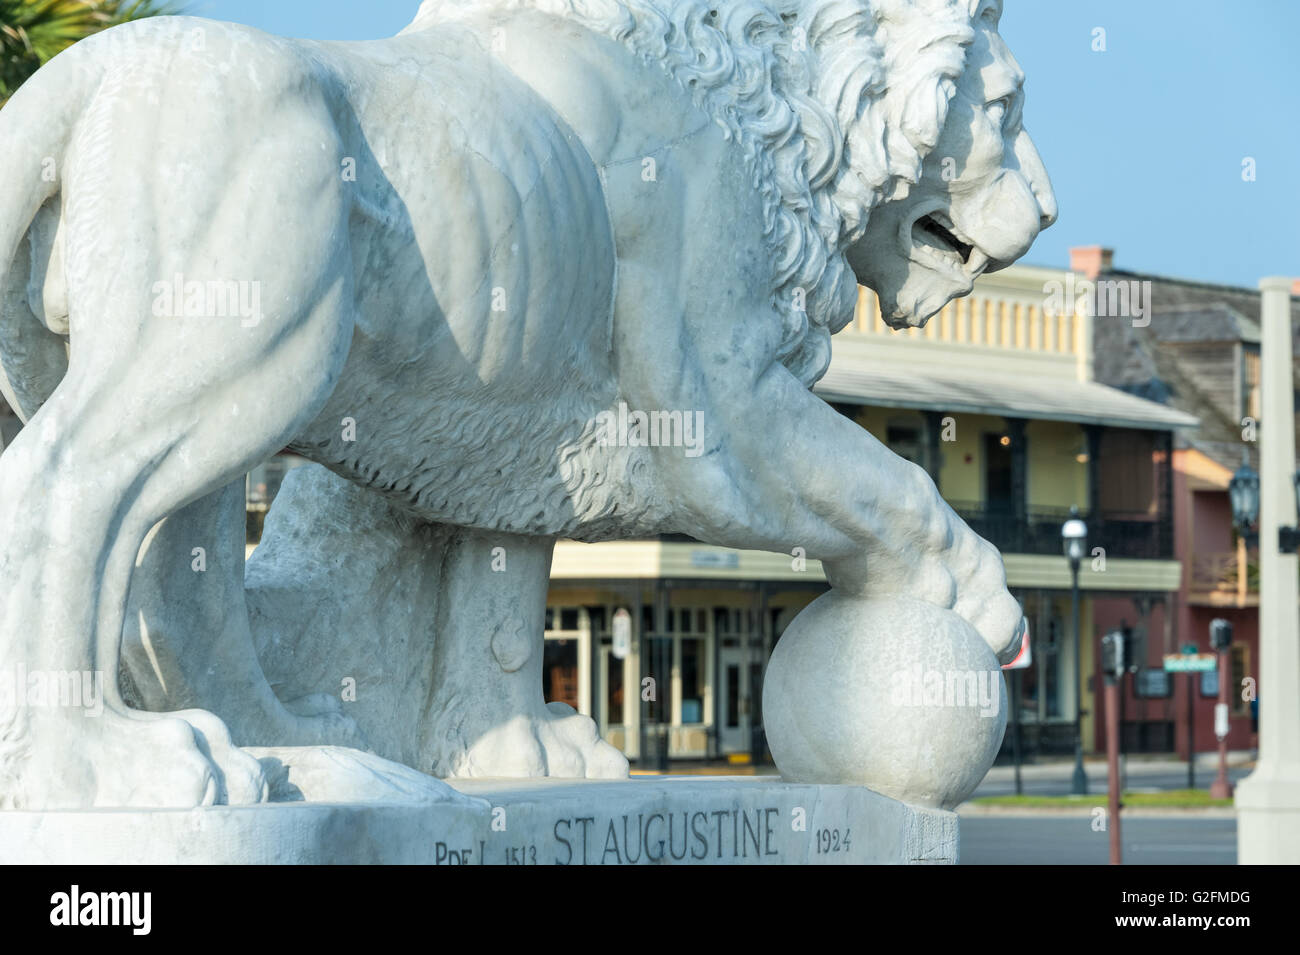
715 559
1190 662
1221 720
1153 684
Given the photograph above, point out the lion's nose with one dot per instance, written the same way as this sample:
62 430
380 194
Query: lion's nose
1040 184
1047 206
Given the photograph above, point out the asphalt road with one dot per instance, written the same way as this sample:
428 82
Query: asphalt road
1070 840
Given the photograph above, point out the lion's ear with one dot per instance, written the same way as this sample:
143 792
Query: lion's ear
868 145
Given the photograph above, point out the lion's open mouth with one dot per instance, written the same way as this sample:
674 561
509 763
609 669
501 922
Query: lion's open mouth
935 230
935 236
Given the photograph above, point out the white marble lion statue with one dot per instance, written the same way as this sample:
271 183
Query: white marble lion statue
437 265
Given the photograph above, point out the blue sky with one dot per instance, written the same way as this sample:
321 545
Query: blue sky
1145 141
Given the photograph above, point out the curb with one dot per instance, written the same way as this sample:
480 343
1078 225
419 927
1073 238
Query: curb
1065 812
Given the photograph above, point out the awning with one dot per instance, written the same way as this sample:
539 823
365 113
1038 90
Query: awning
861 381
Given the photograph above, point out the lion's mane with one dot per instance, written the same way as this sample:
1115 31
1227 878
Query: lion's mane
836 104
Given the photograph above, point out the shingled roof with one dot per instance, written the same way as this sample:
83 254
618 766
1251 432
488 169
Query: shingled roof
1185 357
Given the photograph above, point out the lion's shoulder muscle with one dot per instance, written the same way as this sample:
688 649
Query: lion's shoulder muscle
484 230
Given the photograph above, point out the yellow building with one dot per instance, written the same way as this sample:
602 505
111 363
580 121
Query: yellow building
996 398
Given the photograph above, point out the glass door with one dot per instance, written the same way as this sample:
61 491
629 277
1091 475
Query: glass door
733 708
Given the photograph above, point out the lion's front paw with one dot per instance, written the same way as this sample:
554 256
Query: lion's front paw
957 570
983 599
559 741
128 759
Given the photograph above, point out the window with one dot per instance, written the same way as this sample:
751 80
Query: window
999 495
1252 383
560 671
692 677
614 692
1128 485
732 677
905 441
659 667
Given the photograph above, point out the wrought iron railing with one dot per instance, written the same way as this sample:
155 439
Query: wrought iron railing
1038 531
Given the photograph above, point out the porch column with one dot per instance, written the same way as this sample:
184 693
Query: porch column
933 456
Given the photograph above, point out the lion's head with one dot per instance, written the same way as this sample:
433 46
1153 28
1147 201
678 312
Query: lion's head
884 136
983 194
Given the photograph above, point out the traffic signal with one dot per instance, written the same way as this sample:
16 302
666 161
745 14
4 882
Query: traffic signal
1112 654
1134 647
1220 634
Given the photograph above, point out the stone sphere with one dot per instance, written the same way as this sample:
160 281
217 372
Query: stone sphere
888 693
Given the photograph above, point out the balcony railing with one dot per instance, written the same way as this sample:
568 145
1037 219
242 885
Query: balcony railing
1038 531
1216 573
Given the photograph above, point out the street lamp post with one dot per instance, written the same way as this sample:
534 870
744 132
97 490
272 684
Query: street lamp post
1074 536
1221 641
1243 494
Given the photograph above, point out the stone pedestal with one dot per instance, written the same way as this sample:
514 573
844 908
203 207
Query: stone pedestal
660 820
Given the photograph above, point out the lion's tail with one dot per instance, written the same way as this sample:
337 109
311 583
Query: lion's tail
36 125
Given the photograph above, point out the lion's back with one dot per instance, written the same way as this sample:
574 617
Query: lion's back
483 219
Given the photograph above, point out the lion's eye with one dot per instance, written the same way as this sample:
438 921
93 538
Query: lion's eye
998 110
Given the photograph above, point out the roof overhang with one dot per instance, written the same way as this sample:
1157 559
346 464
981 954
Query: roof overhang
860 380
576 562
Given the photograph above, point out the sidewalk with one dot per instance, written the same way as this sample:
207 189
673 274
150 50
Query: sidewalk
1138 764
1142 773
1056 769
706 767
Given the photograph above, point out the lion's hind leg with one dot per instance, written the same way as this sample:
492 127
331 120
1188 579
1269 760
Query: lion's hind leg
488 716
72 514
130 436
188 643
115 450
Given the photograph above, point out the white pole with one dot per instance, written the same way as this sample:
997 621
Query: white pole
1268 801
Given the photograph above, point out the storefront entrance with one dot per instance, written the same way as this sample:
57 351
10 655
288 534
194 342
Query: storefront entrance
733 701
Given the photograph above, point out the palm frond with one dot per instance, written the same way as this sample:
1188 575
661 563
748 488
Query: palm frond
34 31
